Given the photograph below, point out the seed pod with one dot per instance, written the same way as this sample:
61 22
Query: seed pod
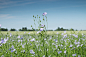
43 19
34 20
40 20
31 25
33 15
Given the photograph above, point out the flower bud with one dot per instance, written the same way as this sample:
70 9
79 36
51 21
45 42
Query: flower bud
33 15
0 25
43 19
34 20
31 25
40 20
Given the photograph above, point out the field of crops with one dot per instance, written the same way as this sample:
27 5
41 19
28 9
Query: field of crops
51 44
35 32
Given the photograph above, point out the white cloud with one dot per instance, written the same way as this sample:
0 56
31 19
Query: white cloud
3 15
8 3
6 16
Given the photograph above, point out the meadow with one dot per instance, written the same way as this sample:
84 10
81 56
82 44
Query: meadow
51 44
42 43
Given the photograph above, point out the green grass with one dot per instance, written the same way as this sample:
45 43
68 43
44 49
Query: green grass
68 44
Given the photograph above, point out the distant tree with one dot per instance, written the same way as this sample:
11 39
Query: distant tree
12 29
49 30
31 29
24 28
71 29
6 29
3 29
76 30
61 29
58 29
27 29
67 30
20 29
37 29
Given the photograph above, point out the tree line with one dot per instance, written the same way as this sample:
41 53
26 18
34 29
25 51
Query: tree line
62 29
25 29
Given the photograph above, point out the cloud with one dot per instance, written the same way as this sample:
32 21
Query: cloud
23 3
6 16
9 3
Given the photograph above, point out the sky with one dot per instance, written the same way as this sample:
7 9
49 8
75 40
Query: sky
60 13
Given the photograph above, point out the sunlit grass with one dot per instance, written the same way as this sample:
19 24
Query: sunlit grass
35 32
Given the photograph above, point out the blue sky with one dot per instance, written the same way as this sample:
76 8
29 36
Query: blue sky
60 13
